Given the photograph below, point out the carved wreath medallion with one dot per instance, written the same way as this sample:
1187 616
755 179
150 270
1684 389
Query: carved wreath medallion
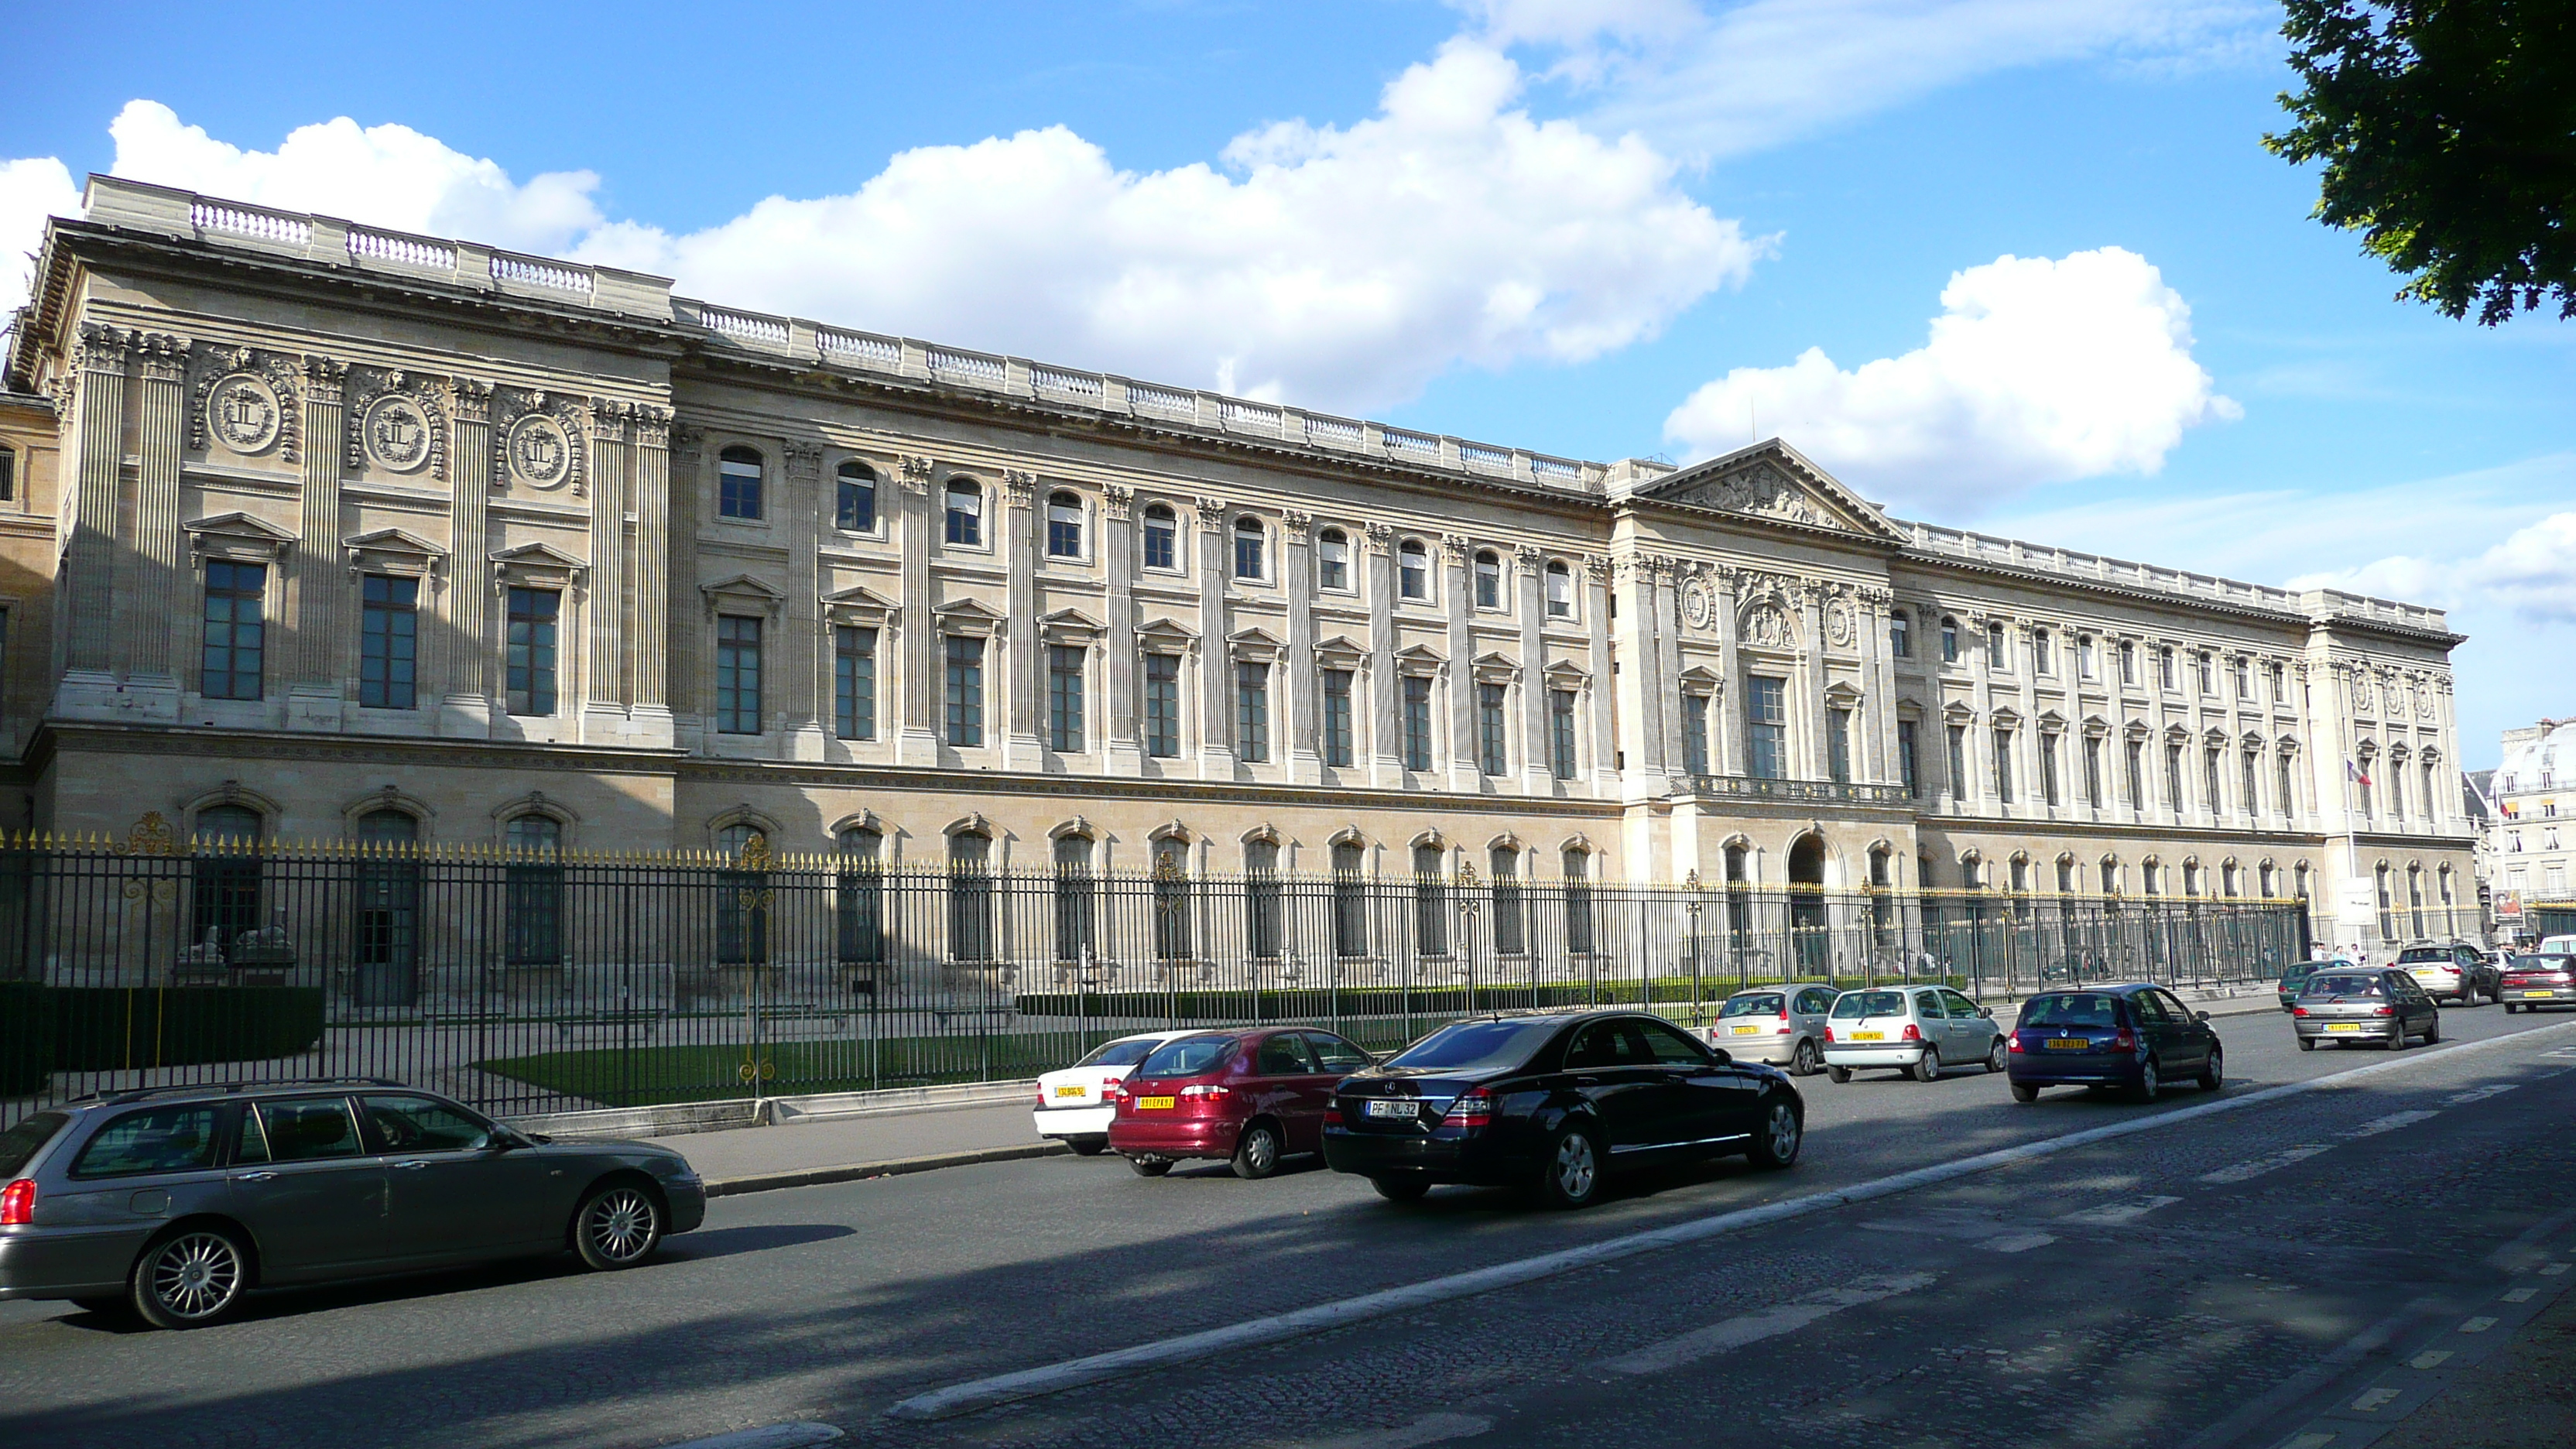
1838 620
242 412
397 433
1699 604
540 454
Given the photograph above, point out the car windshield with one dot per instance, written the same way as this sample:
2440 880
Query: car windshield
2537 963
2423 953
19 1143
1189 1056
2343 986
1765 1003
1476 1045
1121 1053
1852 1004
2071 1008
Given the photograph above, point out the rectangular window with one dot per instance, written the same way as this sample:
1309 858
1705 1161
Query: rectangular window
2093 772
2251 801
2048 788
2173 777
1838 745
1163 706
1959 762
2128 662
2165 667
1491 755
1907 767
1996 658
1695 733
2137 752
1338 742
1560 733
2209 781
388 642
965 692
2244 678
965 514
1766 726
1064 699
531 663
1162 539
235 634
2208 681
737 675
854 683
854 500
2280 692
8 476
1417 722
2003 767
2041 660
737 489
1252 713
2286 797
2085 664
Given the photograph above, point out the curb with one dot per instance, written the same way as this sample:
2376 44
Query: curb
893 1167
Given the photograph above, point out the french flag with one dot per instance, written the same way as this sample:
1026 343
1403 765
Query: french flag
2354 771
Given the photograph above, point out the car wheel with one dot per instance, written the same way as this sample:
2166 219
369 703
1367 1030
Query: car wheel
617 1226
1995 1055
1571 1176
1400 1189
1091 1146
2025 1092
1782 1133
2214 1075
2150 1085
190 1278
2397 1036
1256 1153
2432 1031
1838 1075
1927 1067
1150 1166
1803 1062
2307 1043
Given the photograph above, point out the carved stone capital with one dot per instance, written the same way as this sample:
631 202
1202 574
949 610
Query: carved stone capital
1294 526
1597 566
473 399
1211 514
1454 546
1381 537
324 377
1019 487
915 472
1528 555
104 348
804 460
165 358
1119 500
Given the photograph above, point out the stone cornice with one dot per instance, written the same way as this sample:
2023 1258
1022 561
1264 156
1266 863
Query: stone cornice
2103 588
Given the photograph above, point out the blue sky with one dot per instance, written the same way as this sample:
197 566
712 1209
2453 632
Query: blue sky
1600 229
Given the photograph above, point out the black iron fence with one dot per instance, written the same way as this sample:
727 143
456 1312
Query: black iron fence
526 982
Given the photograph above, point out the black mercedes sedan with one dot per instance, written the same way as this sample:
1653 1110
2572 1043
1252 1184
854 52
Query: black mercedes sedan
1554 1102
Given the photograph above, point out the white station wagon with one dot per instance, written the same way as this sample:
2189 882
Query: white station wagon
1073 1105
1917 1029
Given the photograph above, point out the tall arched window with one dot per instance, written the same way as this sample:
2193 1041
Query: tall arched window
1162 538
224 903
1261 922
862 902
742 897
1413 569
965 512
738 480
1248 547
1333 560
1576 864
1949 640
970 896
1560 590
1430 901
854 498
1489 579
388 890
1511 921
533 891
2110 876
1172 903
1064 525
1076 898
1350 899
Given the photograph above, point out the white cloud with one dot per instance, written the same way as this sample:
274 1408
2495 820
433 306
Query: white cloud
2530 575
30 191
2036 371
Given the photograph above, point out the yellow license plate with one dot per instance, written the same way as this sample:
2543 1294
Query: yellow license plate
1869 1036
1150 1104
2540 993
1745 1030
2069 1044
1068 1091
2343 1026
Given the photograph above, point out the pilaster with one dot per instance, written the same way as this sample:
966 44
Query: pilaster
1294 676
806 707
1023 748
1216 659
1385 736
649 644
1466 774
1604 688
1537 776
603 713
1674 774
152 685
467 655
88 689
317 591
1123 753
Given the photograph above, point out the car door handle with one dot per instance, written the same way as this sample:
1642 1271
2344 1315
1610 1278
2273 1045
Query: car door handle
409 1166
255 1177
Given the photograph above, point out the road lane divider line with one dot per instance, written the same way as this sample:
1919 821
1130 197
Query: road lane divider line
2497 1089
974 1394
768 1436
2247 1171
2522 1295
2117 1214
1750 1328
2018 1242
1429 1429
2390 1123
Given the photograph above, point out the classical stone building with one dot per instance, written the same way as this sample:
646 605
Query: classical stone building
321 530
2530 848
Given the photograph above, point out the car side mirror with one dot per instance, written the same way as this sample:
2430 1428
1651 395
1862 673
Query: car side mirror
503 1139
1986 1012
1724 1057
2200 1016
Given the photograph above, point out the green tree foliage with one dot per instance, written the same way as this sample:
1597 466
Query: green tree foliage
2447 129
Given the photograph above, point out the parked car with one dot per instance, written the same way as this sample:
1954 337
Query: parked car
1073 1104
2555 946
2532 982
1918 1029
2296 974
2138 1037
1249 1097
2455 970
2378 1003
1784 1026
1552 1102
175 1202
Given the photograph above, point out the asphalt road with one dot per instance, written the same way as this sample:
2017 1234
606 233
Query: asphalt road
2142 1290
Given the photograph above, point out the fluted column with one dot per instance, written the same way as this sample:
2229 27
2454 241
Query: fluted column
918 730
1808 714
1386 733
89 558
1730 752
1457 595
467 653
603 714
1216 654
649 644
1537 776
1675 774
1293 676
161 434
1603 688
1123 753
1882 701
317 585
806 706
1023 747
1641 684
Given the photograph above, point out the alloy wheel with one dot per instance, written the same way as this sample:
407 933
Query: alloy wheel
1804 1063
195 1276
621 1225
2149 1086
1782 1132
1576 1167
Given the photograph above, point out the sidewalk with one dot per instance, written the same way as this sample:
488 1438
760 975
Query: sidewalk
802 1152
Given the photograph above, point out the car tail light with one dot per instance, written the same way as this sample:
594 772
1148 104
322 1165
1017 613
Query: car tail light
1912 1032
1205 1091
1473 1109
2126 1041
1784 1013
2015 1039
1333 1114
2298 1011
1113 1091
1829 1034
2384 1011
1042 1094
18 1203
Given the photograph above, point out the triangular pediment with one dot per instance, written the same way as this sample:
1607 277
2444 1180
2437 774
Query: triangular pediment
968 609
241 525
538 555
396 540
860 596
746 586
1772 481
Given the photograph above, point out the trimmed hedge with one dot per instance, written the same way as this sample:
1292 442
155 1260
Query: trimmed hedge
111 1028
1304 1002
26 1038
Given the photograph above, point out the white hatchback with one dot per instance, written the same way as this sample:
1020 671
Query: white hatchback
1074 1105
1918 1029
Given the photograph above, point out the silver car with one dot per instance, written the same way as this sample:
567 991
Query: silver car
1917 1029
2379 1004
175 1202
1782 1025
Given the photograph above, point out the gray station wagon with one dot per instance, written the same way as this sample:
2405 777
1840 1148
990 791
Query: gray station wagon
175 1202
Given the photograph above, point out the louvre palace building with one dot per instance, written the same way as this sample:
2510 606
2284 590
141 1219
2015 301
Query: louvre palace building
323 531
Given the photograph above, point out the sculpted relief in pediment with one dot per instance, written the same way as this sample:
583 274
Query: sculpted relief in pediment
1766 491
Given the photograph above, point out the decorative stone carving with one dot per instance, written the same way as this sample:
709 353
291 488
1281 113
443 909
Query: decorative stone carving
165 357
1698 604
552 431
242 412
539 452
1295 525
473 399
916 470
1762 489
396 434
1767 626
1381 537
1120 500
1019 487
1839 626
1211 514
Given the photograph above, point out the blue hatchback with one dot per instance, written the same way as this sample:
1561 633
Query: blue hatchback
2137 1037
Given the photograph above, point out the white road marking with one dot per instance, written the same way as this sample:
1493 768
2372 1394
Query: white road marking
2392 1122
2477 1325
2480 1095
2018 1243
2246 1170
1735 1333
2373 1401
2430 1358
2308 1441
2553 1270
1137 1358
2116 1214
2522 1295
772 1436
1429 1429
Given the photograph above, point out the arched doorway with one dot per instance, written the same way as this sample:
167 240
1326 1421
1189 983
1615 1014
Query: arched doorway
1808 931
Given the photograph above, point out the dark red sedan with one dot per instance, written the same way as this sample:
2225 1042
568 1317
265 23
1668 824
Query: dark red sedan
1249 1097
